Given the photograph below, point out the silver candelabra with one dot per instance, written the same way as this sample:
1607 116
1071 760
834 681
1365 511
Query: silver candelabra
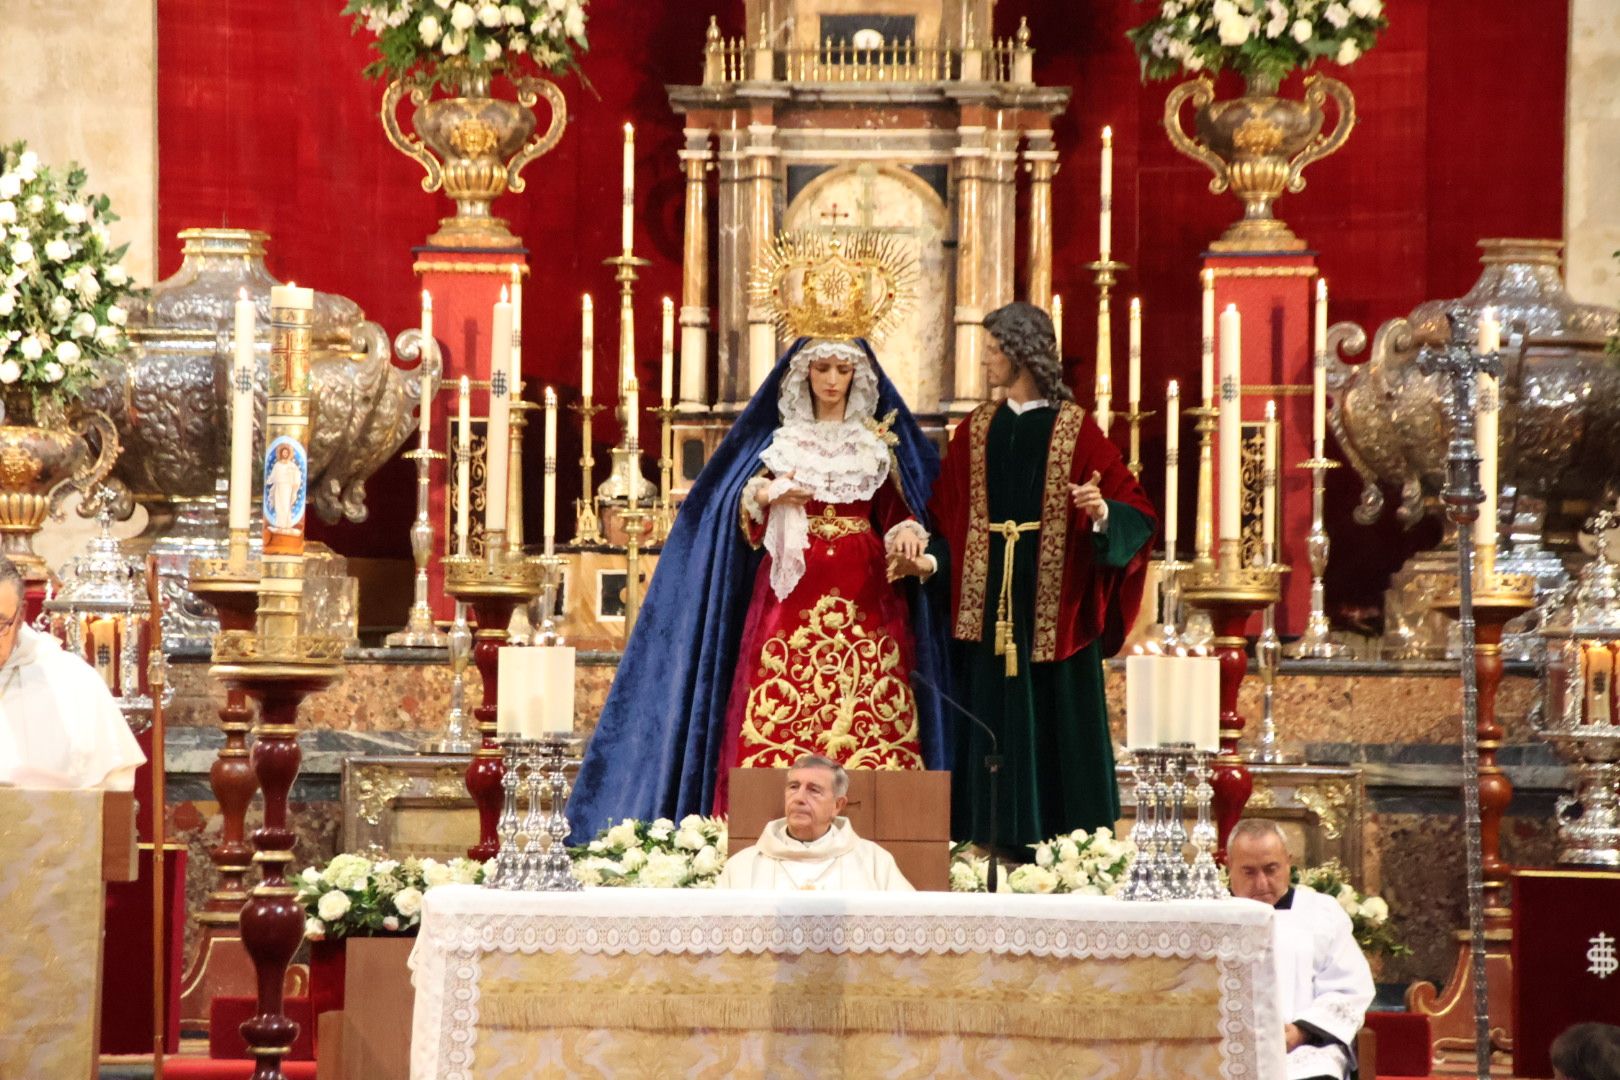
525 862
420 632
1165 777
1316 643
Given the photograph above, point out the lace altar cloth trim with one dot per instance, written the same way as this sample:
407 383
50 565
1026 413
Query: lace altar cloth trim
461 923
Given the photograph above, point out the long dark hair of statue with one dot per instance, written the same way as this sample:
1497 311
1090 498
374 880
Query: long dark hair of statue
1028 338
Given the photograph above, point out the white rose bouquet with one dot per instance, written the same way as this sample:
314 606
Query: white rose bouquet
353 896
424 37
1369 915
1262 40
64 295
655 855
1086 863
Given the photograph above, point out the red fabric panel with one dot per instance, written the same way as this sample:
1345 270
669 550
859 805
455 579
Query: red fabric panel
265 121
1403 1043
177 1068
126 961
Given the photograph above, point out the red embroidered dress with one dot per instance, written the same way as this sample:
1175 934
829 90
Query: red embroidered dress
826 651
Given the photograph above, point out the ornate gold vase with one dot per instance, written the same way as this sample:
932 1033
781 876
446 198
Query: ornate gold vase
40 459
1258 145
474 146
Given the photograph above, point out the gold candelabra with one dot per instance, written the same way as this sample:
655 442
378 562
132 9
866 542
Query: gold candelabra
1204 524
664 515
1135 418
636 523
1106 276
587 522
625 479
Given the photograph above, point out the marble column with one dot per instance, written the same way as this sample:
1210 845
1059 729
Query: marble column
761 170
732 211
1002 264
1592 151
1042 159
695 275
972 161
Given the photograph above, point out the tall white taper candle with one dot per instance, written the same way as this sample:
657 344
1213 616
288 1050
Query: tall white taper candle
627 216
587 348
242 410
1487 419
497 444
551 471
1172 467
1207 341
464 467
1230 432
1105 221
1319 374
429 387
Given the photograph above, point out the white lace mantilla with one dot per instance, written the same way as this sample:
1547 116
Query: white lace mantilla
462 923
839 461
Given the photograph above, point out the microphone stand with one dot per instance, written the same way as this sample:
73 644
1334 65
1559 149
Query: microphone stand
992 765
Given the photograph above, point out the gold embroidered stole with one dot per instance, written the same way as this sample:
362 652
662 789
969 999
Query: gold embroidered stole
1054 529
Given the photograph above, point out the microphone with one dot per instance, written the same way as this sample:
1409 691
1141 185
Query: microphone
992 765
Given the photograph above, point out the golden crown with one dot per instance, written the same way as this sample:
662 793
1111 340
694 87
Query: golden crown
854 285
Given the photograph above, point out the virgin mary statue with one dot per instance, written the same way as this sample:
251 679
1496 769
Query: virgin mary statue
771 629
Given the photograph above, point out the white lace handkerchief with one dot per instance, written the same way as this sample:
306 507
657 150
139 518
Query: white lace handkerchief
787 535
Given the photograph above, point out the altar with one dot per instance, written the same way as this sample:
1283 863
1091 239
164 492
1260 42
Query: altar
704 983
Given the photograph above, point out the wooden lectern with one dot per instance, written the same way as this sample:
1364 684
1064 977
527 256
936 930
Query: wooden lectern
59 848
906 812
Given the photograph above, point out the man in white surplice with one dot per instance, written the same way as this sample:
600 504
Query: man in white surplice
59 724
811 846
1323 982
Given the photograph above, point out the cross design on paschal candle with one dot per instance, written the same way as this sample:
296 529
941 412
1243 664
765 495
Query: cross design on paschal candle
1600 958
497 385
244 383
1229 390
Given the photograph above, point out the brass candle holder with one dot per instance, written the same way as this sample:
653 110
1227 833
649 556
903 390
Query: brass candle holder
1135 418
637 522
625 479
664 514
1106 275
1230 593
1316 642
420 631
587 521
493 586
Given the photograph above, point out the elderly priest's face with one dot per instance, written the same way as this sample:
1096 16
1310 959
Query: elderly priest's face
809 803
1258 865
11 607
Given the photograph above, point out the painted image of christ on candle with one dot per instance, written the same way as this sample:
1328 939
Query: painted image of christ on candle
285 488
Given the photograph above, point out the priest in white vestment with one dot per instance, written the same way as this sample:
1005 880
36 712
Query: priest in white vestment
811 846
1323 982
59 724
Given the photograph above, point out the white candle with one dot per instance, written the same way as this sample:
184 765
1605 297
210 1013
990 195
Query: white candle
1134 374
1105 223
551 471
1105 364
1057 323
1142 679
516 367
1207 353
1231 425
667 373
464 467
242 410
1319 374
497 441
551 686
292 296
632 436
1172 466
1268 483
515 693
1487 419
587 348
425 424
628 214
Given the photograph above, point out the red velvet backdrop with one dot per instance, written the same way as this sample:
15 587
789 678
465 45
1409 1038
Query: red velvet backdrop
265 122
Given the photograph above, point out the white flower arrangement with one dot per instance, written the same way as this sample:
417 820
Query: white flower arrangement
655 855
428 37
1085 863
64 294
1369 913
354 896
1259 39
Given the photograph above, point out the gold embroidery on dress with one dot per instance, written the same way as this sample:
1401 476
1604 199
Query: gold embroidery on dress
976 548
835 688
829 525
1054 531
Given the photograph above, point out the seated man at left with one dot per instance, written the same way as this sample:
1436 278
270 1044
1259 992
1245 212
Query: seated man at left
1323 982
811 846
59 724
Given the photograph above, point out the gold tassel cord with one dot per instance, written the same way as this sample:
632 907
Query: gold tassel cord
1006 642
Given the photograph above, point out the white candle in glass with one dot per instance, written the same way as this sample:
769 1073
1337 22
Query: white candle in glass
1207 346
1172 467
1134 372
464 467
429 386
1268 480
242 410
1105 222
1319 374
667 370
628 210
551 471
1231 425
497 441
1487 420
587 348
632 436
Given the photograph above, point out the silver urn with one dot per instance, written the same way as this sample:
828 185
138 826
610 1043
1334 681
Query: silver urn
170 401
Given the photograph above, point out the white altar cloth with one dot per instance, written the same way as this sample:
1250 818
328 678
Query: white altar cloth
547 984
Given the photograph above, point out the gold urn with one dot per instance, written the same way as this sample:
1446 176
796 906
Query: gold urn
474 146
1258 146
42 458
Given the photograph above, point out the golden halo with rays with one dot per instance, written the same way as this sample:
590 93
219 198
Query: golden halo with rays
834 285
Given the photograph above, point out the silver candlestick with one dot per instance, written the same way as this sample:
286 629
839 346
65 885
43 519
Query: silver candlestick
420 632
557 867
533 851
1164 636
1142 883
545 626
509 861
455 739
1205 878
1315 643
1176 875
